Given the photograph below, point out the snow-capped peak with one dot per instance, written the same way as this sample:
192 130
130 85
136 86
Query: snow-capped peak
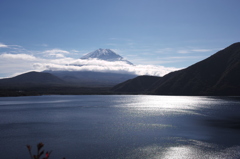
105 54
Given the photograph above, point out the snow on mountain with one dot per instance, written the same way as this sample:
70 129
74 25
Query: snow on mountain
105 54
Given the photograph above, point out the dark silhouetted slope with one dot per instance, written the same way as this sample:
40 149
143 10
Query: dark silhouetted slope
91 78
217 75
31 79
39 83
136 85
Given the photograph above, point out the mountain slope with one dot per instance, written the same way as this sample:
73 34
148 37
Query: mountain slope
31 79
91 78
136 85
217 75
212 76
105 54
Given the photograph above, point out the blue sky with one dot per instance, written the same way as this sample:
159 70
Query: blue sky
168 33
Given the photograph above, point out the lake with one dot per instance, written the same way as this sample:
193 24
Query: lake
121 126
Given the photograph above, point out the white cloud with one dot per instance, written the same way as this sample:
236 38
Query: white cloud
17 56
13 64
104 66
111 44
202 50
57 53
186 51
164 50
3 45
74 50
183 51
172 59
44 45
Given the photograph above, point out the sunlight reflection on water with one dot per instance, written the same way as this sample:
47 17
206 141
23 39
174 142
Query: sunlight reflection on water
123 127
165 105
194 150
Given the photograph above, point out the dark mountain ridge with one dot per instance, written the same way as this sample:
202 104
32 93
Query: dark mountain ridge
31 79
217 75
42 83
91 78
136 85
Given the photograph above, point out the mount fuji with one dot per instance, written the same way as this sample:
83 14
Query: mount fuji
95 78
106 55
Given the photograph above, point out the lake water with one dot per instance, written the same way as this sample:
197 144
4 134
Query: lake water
121 127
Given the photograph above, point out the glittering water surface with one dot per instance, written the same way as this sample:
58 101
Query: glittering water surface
116 127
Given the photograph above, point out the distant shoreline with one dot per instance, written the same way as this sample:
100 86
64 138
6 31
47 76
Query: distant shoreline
37 91
61 90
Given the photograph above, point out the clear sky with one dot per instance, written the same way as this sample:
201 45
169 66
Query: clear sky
168 33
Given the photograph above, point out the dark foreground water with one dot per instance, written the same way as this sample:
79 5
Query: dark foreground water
119 127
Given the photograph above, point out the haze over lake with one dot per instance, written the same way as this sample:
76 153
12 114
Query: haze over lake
112 127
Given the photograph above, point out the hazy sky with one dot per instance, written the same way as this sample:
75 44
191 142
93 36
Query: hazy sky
157 33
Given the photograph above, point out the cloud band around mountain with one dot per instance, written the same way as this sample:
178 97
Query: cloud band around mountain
104 66
17 63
